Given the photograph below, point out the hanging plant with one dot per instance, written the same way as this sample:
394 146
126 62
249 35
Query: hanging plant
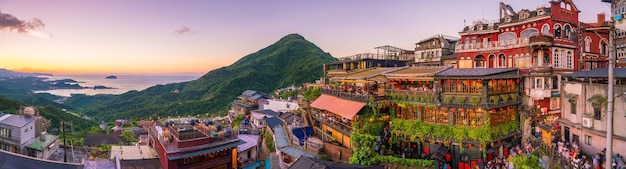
495 99
475 101
461 99
514 96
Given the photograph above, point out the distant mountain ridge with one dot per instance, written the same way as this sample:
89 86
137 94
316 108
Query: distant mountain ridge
290 61
8 73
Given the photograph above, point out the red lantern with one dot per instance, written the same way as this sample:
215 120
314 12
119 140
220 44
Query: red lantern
462 110
517 80
470 145
458 81
480 146
479 81
393 81
499 141
471 110
444 109
448 81
422 139
468 81
508 107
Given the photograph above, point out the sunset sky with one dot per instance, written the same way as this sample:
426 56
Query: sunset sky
147 36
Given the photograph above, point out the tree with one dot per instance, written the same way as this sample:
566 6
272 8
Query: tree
129 136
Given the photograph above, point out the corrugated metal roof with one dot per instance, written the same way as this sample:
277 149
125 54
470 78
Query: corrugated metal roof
599 72
40 145
16 161
420 71
273 122
281 138
250 139
342 107
368 73
207 151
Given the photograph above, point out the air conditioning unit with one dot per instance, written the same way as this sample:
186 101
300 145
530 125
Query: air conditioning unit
587 122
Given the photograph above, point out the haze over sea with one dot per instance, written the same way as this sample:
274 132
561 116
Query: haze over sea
123 83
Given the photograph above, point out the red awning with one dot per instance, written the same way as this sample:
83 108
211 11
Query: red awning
339 106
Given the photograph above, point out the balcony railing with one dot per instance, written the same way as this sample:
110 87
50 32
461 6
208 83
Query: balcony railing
541 40
356 96
343 127
492 45
412 96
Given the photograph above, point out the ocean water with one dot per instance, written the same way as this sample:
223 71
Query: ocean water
122 84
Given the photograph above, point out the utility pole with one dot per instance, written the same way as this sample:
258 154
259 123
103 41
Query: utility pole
64 142
610 95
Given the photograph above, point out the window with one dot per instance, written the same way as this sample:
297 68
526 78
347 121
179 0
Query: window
502 61
508 38
588 139
479 61
569 61
555 58
545 30
572 105
567 32
597 112
539 83
587 44
557 31
4 132
528 33
603 49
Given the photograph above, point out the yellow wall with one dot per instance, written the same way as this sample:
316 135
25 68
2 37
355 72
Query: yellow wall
465 63
341 138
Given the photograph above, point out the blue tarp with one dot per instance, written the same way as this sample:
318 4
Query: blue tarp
302 133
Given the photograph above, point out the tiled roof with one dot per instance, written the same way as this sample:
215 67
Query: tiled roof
273 122
16 120
474 72
314 163
266 112
100 139
599 72
339 106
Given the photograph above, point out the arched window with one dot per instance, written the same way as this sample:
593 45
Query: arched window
501 60
569 58
506 38
555 58
603 50
587 44
545 30
567 32
479 61
557 31
492 61
528 33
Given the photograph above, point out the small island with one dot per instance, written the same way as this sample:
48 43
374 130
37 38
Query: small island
111 77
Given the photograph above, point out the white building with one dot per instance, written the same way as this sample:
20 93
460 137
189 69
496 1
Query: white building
584 109
279 105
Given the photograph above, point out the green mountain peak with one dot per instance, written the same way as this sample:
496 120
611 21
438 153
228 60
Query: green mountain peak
292 60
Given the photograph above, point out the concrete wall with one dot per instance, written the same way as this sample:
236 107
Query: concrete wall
598 130
278 105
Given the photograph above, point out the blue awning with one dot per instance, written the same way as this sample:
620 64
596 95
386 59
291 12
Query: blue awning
207 151
253 166
556 94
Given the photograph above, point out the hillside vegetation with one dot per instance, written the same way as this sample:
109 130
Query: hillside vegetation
290 61
54 114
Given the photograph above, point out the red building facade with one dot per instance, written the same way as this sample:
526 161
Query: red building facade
194 145
543 44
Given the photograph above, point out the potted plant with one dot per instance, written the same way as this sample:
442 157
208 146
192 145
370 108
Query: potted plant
475 101
504 97
460 99
494 99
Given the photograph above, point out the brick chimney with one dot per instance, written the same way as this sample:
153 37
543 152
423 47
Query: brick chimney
601 18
